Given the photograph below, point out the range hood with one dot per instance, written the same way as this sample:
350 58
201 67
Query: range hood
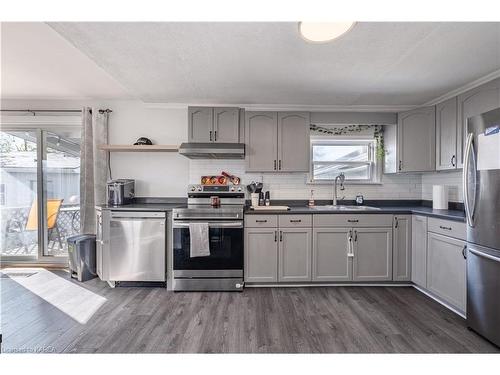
213 150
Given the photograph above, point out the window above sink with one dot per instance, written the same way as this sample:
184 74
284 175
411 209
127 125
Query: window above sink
355 157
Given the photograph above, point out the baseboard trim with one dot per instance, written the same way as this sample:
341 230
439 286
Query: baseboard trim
441 302
323 284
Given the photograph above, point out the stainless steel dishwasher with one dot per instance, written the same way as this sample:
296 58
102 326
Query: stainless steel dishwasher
136 249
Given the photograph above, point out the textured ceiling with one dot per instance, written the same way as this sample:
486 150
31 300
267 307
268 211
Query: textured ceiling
268 63
36 62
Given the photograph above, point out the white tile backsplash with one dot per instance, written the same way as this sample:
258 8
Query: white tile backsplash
295 186
451 179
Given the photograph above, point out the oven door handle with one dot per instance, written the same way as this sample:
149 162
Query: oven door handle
212 225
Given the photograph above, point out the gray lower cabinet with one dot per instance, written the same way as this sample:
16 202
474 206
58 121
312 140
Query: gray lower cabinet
372 259
293 141
446 269
330 260
419 250
294 260
474 102
446 134
417 140
401 248
261 255
261 141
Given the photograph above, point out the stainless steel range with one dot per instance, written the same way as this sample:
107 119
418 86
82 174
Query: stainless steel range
221 207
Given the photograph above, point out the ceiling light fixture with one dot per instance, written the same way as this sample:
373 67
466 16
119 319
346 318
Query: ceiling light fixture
323 32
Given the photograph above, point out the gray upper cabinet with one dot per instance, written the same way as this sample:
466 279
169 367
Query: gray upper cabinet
446 134
200 120
401 270
261 141
277 142
293 141
226 125
294 261
419 250
372 259
446 269
416 140
207 124
330 260
474 102
261 254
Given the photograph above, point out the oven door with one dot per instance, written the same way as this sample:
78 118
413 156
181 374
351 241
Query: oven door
226 247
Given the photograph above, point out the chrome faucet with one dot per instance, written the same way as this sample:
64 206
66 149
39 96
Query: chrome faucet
340 178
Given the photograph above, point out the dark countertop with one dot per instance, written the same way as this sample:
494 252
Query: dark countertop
300 207
455 215
142 207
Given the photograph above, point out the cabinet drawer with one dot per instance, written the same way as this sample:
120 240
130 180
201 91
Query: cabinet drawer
261 221
352 220
290 221
447 227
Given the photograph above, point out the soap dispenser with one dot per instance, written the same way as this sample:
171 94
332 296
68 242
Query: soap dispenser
311 200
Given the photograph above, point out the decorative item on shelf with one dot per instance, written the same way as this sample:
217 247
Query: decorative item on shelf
378 134
142 141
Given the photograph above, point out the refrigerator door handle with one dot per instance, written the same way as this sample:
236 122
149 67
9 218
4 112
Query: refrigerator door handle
484 255
465 178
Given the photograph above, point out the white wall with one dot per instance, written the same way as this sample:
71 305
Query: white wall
156 174
167 174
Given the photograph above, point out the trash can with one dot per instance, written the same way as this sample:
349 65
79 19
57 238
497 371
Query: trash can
82 257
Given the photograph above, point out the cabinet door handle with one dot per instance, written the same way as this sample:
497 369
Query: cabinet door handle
352 220
210 135
279 165
350 252
295 221
275 164
464 252
215 136
281 236
396 223
355 236
453 160
261 221
447 228
275 236
400 165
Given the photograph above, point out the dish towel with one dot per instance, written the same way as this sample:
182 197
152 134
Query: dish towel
200 246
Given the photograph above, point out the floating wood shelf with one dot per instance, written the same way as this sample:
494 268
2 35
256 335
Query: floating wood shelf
140 148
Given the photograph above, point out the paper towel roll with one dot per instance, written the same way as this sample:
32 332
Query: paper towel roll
439 197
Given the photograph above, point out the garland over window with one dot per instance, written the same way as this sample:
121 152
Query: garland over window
378 133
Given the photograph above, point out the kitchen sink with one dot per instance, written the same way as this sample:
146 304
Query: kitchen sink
344 208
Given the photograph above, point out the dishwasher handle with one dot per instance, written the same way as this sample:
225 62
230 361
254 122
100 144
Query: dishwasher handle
137 215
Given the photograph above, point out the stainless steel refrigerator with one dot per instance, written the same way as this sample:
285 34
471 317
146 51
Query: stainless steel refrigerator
481 179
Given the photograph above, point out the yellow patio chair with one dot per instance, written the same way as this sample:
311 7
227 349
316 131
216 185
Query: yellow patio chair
53 207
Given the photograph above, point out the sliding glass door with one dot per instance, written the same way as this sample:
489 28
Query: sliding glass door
19 192
39 193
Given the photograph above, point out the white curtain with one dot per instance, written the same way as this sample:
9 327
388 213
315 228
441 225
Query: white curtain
94 166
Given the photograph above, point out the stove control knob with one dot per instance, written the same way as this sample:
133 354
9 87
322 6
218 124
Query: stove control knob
193 188
199 188
239 189
232 189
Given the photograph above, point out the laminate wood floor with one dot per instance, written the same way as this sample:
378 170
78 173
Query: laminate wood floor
259 320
